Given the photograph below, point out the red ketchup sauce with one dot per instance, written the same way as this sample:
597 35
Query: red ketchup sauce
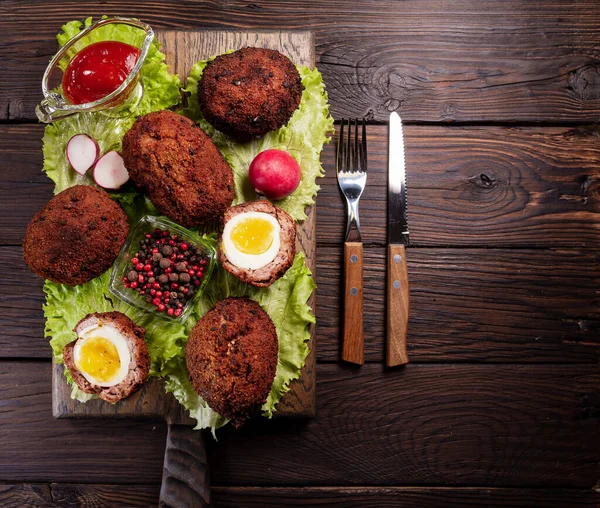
97 70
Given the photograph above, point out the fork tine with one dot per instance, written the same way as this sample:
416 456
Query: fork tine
340 149
356 153
348 147
363 151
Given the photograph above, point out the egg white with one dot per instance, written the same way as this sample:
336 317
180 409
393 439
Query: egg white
250 261
110 333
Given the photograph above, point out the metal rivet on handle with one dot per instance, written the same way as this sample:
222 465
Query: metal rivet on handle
353 291
397 258
396 284
353 258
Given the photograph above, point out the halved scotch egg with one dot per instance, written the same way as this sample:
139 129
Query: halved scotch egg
251 239
110 357
258 242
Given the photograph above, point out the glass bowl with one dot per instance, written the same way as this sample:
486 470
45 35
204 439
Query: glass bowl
147 226
119 102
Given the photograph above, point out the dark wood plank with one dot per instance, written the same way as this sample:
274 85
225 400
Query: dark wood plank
36 447
104 495
433 61
495 305
24 188
22 318
94 495
459 425
479 186
484 305
471 186
77 495
406 497
429 425
19 495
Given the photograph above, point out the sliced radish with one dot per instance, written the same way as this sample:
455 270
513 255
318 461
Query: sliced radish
82 152
110 171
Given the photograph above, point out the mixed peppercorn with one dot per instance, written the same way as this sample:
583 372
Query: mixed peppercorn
166 271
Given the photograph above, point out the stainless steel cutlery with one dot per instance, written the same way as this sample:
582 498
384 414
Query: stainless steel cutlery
352 177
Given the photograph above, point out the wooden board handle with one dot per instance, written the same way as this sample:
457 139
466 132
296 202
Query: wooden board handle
353 346
398 306
185 480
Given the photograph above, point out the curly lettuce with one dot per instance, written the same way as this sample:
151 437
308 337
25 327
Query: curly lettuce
303 137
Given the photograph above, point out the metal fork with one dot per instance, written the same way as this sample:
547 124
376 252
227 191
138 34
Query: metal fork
352 178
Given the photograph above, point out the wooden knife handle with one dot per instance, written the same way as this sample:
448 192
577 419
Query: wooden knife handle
353 349
185 481
398 306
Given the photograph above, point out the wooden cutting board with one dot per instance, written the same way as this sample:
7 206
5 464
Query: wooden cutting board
183 49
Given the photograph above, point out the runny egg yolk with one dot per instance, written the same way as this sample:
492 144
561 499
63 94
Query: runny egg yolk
99 358
253 235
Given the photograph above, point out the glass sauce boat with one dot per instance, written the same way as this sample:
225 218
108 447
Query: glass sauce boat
118 103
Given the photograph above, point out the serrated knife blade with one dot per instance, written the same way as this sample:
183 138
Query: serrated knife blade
398 302
397 206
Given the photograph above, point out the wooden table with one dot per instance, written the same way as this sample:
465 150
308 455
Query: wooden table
500 405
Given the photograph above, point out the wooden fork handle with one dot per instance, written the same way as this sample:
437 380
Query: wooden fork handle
353 339
398 306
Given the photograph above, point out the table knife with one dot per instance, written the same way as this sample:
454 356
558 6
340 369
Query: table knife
398 303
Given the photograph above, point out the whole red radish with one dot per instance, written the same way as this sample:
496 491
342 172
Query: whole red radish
274 173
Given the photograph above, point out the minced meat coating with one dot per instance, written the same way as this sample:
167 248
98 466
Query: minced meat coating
76 236
178 166
232 356
265 275
139 366
249 92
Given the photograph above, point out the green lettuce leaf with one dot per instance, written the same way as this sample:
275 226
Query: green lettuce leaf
286 303
66 305
161 91
303 137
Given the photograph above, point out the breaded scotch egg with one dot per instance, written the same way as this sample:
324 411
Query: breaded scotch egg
231 356
178 166
258 242
76 236
249 92
110 357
